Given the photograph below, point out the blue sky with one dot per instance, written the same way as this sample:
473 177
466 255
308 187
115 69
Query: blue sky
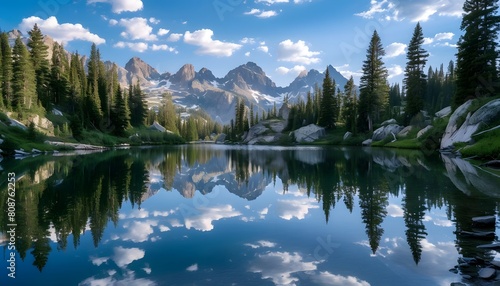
282 36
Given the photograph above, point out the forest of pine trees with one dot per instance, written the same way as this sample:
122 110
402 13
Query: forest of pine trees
476 74
31 83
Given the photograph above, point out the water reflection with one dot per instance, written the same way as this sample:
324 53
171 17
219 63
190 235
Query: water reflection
59 199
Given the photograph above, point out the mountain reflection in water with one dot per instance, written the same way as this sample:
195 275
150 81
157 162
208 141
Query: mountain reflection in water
111 207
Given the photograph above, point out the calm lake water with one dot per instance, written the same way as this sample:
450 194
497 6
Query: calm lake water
220 215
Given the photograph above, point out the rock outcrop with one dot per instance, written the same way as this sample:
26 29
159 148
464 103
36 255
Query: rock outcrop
309 133
463 133
424 130
384 131
265 132
443 112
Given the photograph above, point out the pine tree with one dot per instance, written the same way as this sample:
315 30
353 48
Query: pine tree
137 105
120 115
92 109
167 114
477 56
415 79
350 110
59 79
327 106
252 120
24 81
6 70
374 90
39 54
1 81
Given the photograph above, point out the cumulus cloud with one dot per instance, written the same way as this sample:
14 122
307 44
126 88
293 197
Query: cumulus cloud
153 20
270 2
395 70
192 268
174 37
247 54
415 11
296 70
261 243
347 72
298 52
124 256
327 278
249 41
119 6
62 33
139 231
137 47
280 267
163 32
264 49
261 13
163 48
203 220
395 49
208 46
394 211
439 37
296 208
137 29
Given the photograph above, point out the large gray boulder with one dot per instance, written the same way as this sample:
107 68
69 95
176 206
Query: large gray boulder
347 135
405 131
443 112
309 133
390 121
221 138
423 131
367 142
384 131
284 111
484 115
255 131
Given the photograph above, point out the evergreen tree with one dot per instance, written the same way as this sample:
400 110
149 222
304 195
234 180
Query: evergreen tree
477 56
6 70
349 113
327 106
59 79
137 105
93 112
252 120
309 109
120 115
167 115
374 90
1 79
415 79
39 54
24 81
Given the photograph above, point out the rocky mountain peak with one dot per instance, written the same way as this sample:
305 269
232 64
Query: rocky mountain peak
185 74
250 75
205 74
141 69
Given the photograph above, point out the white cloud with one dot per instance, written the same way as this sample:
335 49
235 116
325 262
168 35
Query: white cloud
298 52
127 279
62 33
159 213
137 47
261 243
203 220
153 20
327 278
298 208
280 266
395 49
139 231
270 2
119 6
124 256
439 37
261 14
137 29
395 70
249 41
296 70
247 54
192 268
415 11
163 32
394 210
148 270
97 261
113 22
164 228
208 46
347 73
264 49
174 37
163 48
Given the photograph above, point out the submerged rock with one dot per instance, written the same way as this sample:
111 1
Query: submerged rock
484 221
487 273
